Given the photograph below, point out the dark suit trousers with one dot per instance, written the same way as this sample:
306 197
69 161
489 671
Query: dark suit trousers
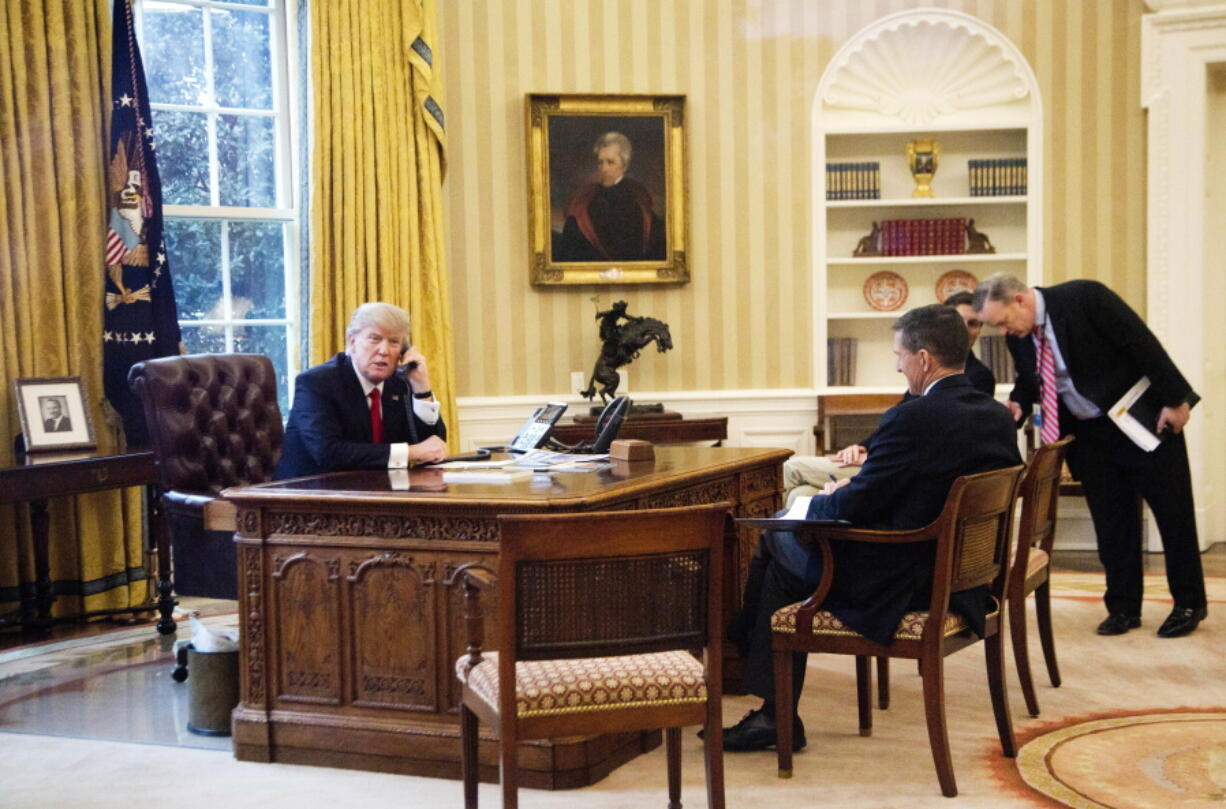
769 587
1114 472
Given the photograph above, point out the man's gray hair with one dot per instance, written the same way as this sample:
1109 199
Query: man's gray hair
614 139
999 286
937 328
389 319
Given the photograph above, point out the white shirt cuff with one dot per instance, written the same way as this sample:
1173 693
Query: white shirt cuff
398 456
426 410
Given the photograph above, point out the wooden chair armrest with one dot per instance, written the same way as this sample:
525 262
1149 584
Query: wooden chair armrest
474 577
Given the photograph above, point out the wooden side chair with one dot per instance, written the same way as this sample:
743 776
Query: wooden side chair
1031 568
599 617
972 537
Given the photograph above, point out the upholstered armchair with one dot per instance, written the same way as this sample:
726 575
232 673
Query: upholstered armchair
213 422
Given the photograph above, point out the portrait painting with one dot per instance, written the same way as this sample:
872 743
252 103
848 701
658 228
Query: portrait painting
53 414
606 189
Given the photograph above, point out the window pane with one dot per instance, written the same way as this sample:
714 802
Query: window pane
242 75
246 160
249 2
257 269
194 252
204 339
272 342
173 51
182 140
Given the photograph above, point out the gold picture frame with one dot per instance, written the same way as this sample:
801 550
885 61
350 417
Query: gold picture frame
54 414
636 233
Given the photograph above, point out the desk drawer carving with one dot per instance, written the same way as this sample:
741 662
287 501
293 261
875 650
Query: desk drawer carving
305 596
712 492
382 526
393 653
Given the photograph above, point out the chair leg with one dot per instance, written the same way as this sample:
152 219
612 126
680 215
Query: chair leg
864 690
469 765
508 764
994 653
1021 653
1042 611
933 671
713 756
672 748
883 683
783 711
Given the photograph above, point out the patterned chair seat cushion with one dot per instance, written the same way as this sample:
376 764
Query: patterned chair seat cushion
548 687
1036 560
911 627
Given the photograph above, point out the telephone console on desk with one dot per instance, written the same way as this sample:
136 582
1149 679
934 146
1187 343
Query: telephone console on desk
606 428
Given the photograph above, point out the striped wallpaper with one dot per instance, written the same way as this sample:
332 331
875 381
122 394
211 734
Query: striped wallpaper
749 69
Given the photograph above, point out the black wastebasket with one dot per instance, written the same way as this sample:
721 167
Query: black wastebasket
212 691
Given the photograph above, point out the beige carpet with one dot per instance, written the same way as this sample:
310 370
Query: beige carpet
1104 678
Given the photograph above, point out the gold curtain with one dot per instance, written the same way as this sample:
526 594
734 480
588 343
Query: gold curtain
377 164
54 83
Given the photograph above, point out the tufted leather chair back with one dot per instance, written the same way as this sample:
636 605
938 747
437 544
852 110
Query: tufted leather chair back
213 419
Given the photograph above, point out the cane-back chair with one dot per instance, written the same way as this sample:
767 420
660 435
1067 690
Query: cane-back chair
599 616
1031 568
972 537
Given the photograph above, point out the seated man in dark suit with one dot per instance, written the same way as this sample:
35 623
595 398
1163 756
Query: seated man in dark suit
806 474
356 412
948 429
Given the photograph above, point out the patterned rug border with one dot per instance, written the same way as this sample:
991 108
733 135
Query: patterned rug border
1006 772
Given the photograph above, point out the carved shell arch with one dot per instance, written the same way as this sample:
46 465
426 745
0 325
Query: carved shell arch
921 65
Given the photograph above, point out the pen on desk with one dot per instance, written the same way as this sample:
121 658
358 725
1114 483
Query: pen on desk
833 479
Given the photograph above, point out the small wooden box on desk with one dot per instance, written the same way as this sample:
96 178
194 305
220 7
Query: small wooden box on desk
659 428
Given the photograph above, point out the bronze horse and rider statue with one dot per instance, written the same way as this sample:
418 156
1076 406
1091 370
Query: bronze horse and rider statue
622 338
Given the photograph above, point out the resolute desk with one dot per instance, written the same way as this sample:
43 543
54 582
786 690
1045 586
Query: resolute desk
349 635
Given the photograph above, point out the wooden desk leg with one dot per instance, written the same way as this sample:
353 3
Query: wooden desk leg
161 529
37 615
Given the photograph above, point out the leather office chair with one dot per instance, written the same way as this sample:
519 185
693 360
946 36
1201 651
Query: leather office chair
972 534
1031 568
597 617
214 422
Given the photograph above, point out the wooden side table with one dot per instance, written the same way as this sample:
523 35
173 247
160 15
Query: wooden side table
659 428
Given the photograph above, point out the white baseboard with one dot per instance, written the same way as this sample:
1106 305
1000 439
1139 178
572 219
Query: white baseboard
756 418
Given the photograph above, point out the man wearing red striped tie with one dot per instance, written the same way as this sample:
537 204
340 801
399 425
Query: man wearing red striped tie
1078 348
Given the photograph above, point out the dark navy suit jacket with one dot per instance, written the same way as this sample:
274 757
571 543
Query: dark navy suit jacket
921 447
329 424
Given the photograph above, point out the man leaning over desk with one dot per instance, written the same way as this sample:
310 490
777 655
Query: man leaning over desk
356 412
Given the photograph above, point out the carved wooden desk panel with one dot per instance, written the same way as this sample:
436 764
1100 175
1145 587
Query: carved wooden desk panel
350 635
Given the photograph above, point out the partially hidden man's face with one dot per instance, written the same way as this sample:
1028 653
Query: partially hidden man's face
375 353
911 366
609 165
1014 316
974 324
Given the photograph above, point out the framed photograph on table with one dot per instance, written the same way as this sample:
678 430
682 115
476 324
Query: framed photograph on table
53 414
607 200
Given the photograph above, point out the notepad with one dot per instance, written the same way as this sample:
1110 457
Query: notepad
485 475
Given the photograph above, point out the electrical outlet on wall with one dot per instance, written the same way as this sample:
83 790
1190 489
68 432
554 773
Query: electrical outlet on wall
578 381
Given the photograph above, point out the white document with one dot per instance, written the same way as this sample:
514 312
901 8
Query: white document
485 475
1141 435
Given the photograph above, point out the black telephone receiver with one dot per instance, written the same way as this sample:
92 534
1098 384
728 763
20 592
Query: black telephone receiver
412 366
610 423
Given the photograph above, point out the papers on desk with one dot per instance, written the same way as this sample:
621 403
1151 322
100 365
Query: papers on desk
540 460
504 475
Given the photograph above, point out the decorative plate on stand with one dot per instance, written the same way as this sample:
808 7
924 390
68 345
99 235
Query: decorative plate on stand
885 291
955 281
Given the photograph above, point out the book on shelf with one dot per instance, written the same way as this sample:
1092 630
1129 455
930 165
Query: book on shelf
840 361
994 353
923 237
859 180
997 177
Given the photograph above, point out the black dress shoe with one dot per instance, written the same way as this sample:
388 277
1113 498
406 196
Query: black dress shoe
1117 623
756 731
1181 621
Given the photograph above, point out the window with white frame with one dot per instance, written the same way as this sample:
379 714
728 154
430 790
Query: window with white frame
218 82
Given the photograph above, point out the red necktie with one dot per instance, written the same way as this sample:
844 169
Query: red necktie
1049 433
376 417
